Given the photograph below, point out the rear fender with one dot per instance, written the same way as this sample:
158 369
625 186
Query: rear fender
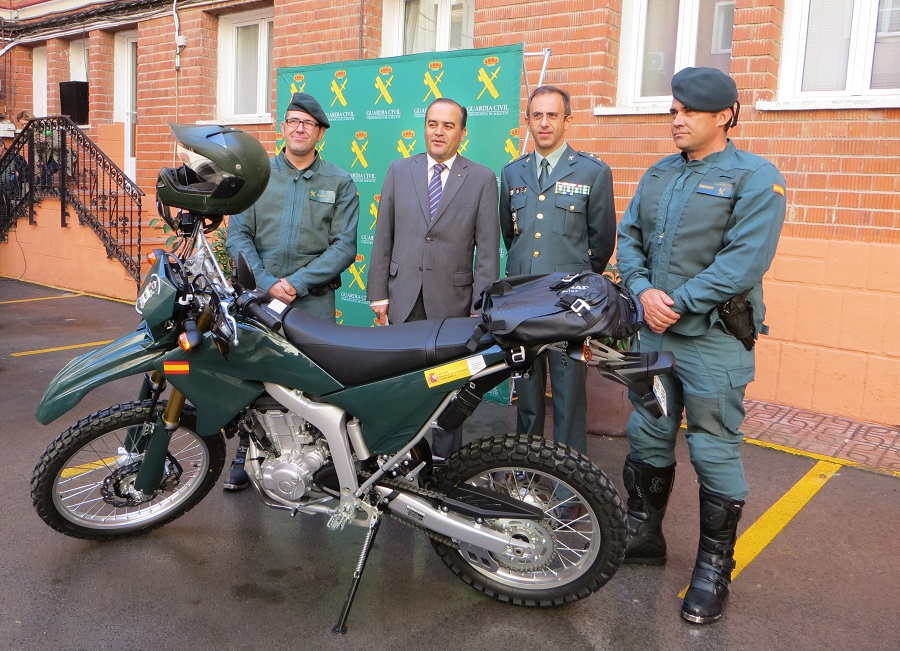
127 356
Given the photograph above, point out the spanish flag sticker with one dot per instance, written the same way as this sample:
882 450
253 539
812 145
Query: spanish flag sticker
778 189
176 368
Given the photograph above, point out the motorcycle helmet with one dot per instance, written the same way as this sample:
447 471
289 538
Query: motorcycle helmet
223 171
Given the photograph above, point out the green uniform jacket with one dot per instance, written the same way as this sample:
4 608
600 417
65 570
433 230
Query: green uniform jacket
568 225
302 228
702 232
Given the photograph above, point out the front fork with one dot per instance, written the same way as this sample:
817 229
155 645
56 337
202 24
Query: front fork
155 447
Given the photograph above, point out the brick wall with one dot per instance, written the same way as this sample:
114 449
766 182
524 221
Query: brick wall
833 304
101 76
57 71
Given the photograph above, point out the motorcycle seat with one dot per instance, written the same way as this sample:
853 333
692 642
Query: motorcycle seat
357 355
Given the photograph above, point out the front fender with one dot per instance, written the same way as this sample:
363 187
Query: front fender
129 355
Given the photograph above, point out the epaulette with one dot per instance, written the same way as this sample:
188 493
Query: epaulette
522 157
589 156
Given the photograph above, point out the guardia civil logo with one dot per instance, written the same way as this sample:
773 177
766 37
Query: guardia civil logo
407 143
338 86
373 210
383 83
358 147
487 78
432 80
298 83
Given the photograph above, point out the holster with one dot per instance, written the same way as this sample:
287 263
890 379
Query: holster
321 290
737 317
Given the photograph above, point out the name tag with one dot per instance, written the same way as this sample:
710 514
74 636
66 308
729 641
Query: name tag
724 190
322 196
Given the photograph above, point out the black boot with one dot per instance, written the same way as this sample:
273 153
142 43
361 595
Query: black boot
706 596
237 478
648 493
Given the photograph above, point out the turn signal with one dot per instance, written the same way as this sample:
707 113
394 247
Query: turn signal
151 257
191 336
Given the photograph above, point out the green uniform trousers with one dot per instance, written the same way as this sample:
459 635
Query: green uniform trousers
711 374
567 378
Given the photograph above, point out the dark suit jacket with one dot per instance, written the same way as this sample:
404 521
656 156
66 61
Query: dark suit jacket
567 225
413 254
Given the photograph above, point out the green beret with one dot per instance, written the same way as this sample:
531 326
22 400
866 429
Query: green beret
704 89
308 104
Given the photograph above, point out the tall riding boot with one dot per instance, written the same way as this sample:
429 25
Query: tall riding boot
706 596
237 477
648 494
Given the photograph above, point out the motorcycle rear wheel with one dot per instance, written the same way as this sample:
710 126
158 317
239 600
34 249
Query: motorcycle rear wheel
71 487
583 533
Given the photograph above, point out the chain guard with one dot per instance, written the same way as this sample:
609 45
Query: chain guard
535 532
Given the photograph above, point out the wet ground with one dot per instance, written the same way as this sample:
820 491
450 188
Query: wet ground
818 557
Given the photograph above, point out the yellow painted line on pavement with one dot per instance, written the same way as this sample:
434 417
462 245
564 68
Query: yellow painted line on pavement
40 298
770 524
76 471
90 344
822 457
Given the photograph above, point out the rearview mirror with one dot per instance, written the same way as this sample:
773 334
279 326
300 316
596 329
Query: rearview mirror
245 274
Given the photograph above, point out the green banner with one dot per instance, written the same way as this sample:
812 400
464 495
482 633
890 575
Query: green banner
376 108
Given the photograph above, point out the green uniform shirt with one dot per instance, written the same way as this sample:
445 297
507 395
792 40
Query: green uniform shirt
703 231
303 227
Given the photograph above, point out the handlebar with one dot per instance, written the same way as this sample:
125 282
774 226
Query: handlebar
249 304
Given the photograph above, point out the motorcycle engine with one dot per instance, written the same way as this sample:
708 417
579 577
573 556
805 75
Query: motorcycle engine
285 452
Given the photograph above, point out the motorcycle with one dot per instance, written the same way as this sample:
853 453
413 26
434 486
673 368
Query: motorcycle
336 417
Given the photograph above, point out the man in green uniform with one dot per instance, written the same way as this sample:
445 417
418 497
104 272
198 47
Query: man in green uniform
694 244
556 214
301 233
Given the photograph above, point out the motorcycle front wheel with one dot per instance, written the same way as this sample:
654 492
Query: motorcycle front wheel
580 542
83 484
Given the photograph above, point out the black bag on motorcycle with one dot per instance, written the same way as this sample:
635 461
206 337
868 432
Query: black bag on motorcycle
548 308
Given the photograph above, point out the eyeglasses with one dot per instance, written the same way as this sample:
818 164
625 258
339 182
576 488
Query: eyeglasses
293 123
538 116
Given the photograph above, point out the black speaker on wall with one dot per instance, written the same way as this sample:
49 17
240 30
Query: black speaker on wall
73 100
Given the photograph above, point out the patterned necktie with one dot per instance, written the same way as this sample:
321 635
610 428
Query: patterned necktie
542 179
435 188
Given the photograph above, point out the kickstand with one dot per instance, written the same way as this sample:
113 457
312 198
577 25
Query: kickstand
341 627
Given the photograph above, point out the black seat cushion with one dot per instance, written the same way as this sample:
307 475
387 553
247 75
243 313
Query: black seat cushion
356 355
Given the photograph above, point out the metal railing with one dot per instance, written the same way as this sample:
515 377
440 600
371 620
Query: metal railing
52 157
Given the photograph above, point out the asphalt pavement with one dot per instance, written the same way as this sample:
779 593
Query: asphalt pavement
819 566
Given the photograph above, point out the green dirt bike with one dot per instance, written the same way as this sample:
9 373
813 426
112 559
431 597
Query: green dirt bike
336 416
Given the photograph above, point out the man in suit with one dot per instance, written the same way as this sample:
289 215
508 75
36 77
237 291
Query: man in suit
436 209
556 214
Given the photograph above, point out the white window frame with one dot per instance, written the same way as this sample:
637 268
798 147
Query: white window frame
78 60
228 25
392 27
859 67
719 28
39 81
631 56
